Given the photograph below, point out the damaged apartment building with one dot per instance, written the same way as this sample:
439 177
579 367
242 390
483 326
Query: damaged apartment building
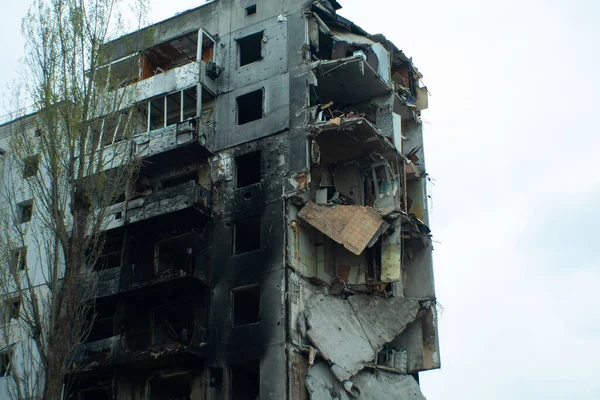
276 244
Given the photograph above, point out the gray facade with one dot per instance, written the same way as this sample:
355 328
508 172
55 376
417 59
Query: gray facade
283 210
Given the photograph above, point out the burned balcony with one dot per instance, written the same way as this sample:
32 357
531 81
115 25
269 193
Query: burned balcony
166 208
147 330
348 79
189 196
184 138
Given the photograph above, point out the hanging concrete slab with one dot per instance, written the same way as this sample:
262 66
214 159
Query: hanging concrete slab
354 227
322 385
350 333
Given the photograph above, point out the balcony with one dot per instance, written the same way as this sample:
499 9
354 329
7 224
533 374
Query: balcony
146 328
165 209
114 351
184 139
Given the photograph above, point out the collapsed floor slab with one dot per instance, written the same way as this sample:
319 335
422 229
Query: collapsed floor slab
350 333
322 385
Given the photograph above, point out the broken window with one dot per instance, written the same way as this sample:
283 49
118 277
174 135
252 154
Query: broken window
108 260
250 48
173 323
208 106
246 305
208 48
251 10
12 309
101 318
173 54
248 168
245 380
25 211
5 363
175 253
175 387
180 179
190 100
31 166
250 107
246 235
19 259
173 108
124 72
157 113
173 114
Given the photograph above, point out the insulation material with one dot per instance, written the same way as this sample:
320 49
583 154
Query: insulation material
422 99
354 227
391 257
350 333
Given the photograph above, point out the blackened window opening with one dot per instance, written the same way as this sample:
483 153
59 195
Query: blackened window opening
250 48
245 380
246 235
251 10
248 169
95 394
246 305
170 387
250 107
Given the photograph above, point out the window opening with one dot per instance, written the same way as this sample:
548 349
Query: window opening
173 323
25 210
124 72
250 107
175 254
246 305
171 387
173 54
250 48
248 169
190 101
101 317
246 235
95 394
208 106
208 48
173 108
38 132
245 380
19 258
30 166
178 180
12 309
251 10
5 363
157 113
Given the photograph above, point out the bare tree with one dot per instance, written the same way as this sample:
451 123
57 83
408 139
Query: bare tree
64 165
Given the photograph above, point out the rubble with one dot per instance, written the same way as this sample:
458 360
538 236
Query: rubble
322 385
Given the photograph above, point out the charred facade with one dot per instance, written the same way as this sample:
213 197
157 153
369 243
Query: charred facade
276 243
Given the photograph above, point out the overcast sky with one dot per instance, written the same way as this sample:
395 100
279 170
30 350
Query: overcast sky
512 147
